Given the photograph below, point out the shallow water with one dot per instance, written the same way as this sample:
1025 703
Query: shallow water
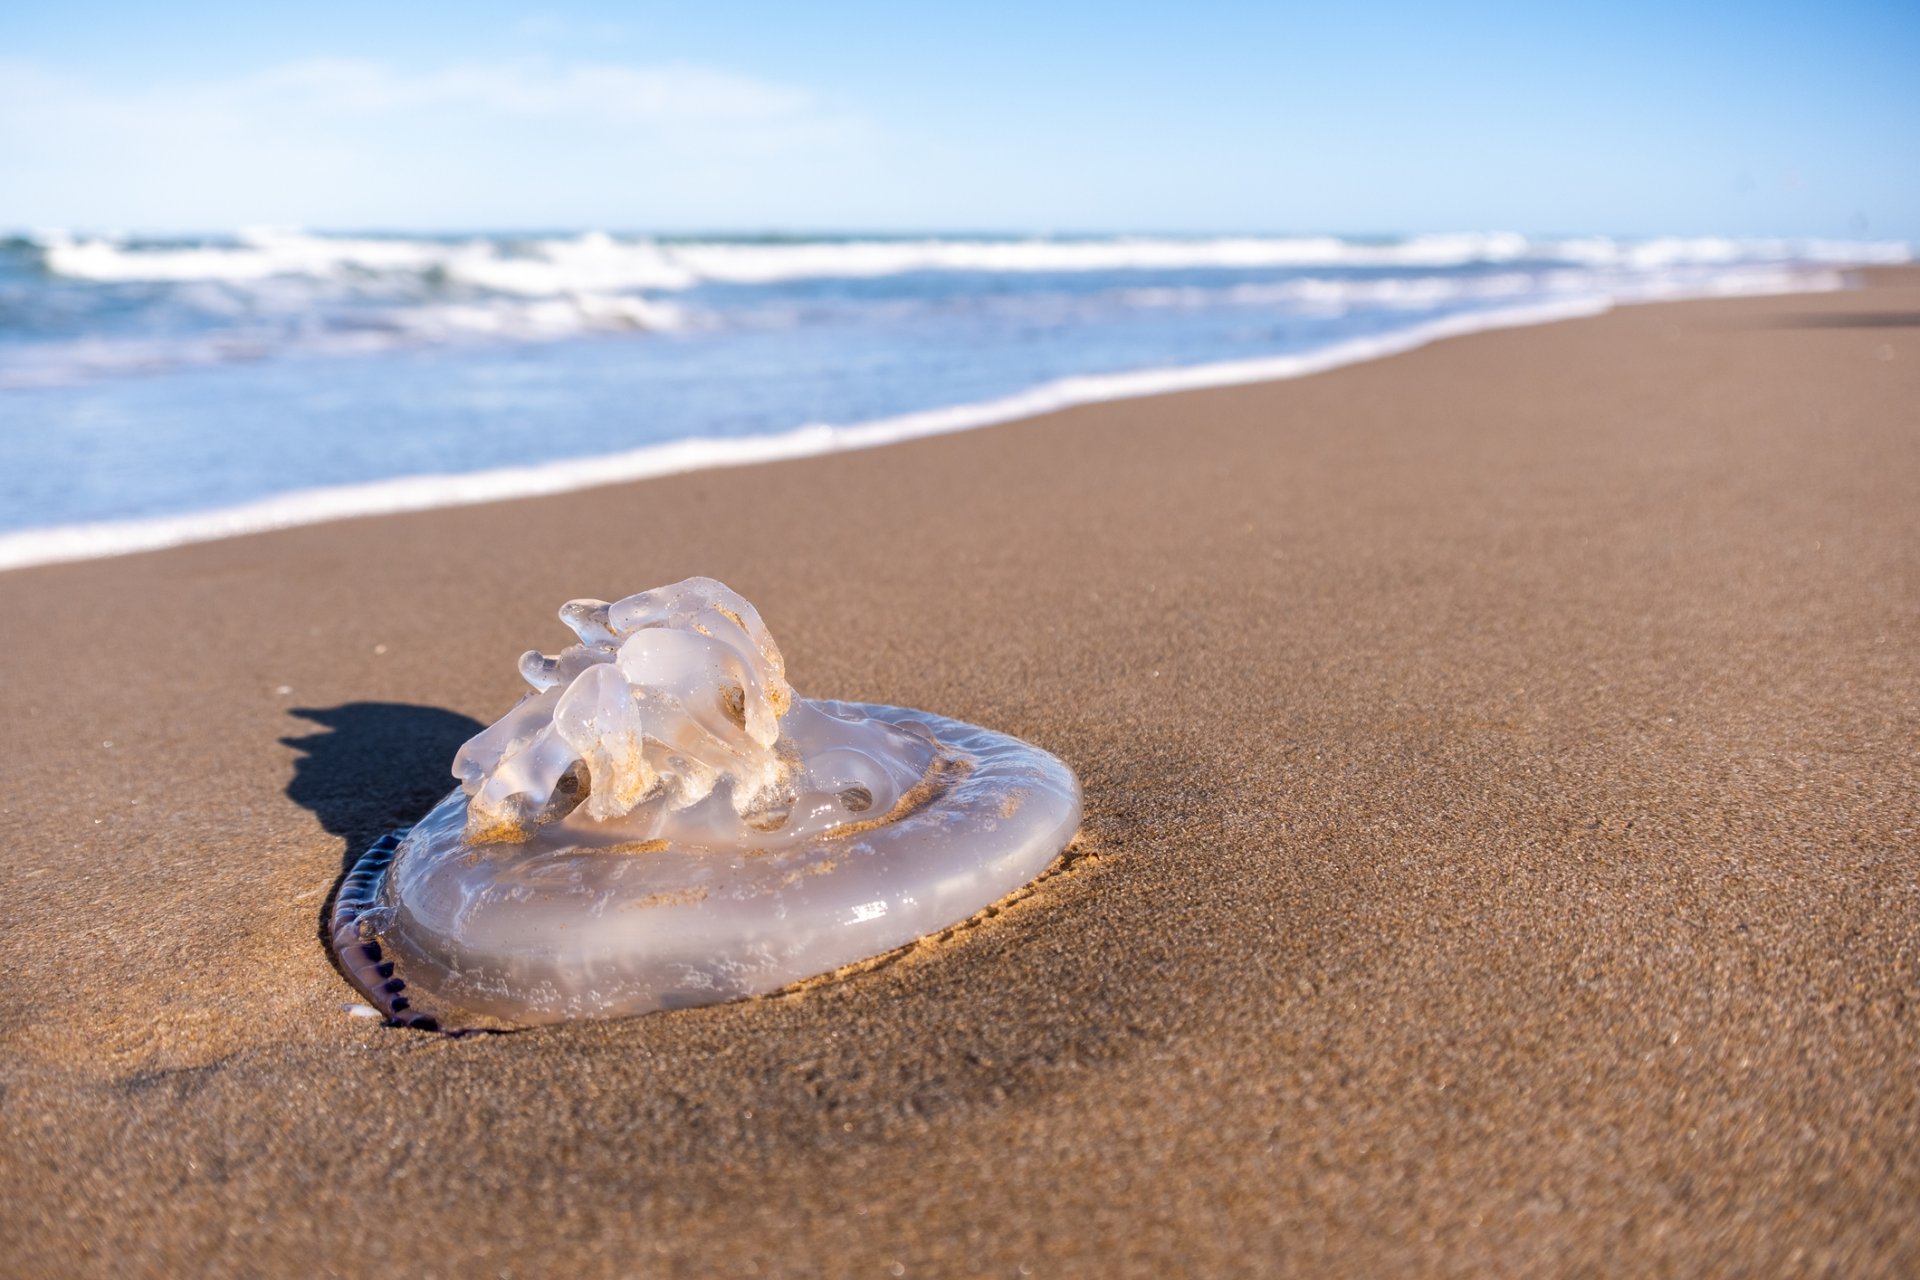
151 379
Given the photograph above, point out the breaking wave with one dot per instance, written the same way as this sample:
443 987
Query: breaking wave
598 262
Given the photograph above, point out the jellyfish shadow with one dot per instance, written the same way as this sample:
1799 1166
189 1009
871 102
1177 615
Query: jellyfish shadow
375 766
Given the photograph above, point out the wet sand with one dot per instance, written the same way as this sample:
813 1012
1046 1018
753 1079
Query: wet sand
1502 848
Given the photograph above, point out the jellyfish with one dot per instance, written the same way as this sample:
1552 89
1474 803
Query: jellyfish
661 822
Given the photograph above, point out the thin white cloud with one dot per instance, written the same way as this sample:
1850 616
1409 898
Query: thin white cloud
327 141
531 88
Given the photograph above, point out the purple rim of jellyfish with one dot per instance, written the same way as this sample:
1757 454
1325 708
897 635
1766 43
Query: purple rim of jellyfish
358 951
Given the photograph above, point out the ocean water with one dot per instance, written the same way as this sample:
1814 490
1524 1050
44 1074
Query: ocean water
162 390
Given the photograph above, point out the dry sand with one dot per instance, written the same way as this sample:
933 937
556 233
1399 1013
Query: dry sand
1502 848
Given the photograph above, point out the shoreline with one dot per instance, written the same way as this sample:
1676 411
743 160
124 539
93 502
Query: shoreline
1498 856
70 543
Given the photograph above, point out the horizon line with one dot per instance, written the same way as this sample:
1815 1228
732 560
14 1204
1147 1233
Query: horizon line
823 232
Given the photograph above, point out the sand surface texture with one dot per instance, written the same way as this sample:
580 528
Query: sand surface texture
1502 848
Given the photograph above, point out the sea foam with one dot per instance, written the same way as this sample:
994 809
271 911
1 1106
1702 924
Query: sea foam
596 261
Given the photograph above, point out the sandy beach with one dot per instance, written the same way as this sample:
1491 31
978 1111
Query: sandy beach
1502 848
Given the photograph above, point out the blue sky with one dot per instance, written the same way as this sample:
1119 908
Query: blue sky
1791 119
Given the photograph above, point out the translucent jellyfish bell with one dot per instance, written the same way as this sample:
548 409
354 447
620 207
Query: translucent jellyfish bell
662 823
